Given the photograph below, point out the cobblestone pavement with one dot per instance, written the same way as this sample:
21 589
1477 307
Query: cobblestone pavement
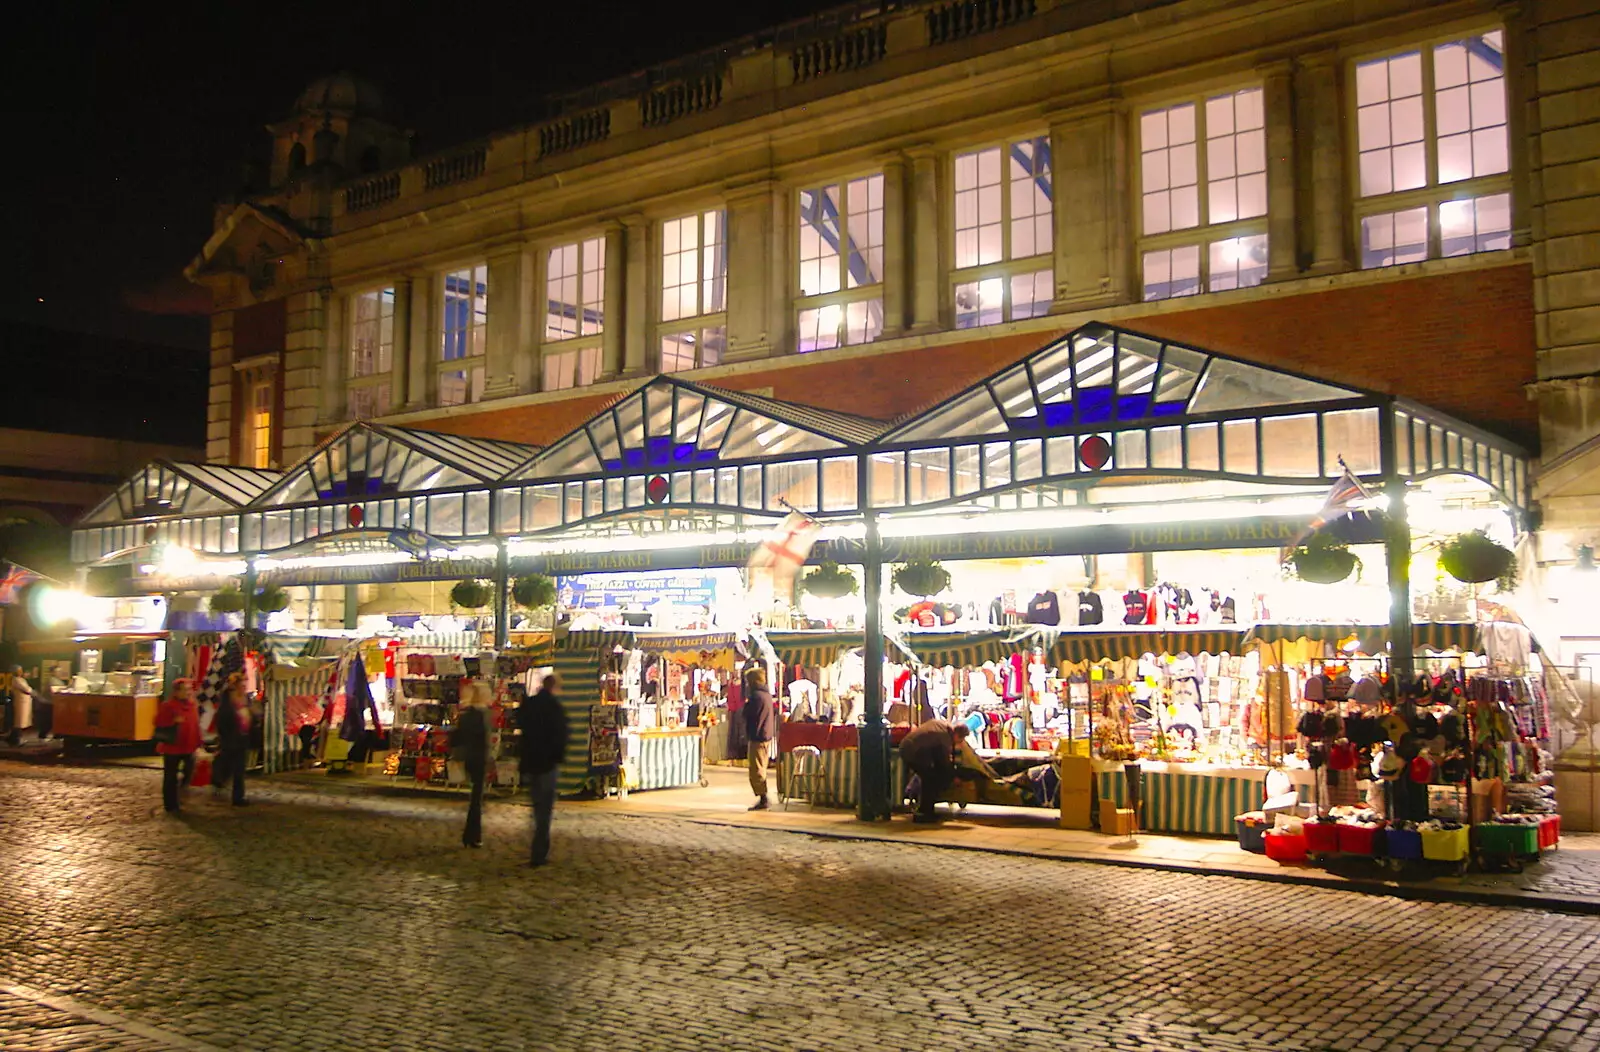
325 921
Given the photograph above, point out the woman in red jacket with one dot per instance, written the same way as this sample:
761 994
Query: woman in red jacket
178 746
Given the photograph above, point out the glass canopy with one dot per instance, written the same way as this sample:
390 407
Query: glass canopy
166 488
373 460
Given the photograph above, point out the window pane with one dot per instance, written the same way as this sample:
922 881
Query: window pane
1236 156
977 207
819 241
1481 224
1031 195
1239 447
1394 238
864 212
1238 263
1031 294
713 262
1172 272
839 484
980 303
1353 435
1167 164
368 401
465 314
818 328
371 333
1289 445
863 321
1470 107
459 387
1389 129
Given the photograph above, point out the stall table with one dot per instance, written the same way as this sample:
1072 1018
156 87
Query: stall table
658 758
111 717
1192 797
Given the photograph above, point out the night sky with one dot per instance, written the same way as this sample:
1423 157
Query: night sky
125 122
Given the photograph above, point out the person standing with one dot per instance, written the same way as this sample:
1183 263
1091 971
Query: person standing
232 724
470 745
760 725
177 751
930 751
21 705
543 723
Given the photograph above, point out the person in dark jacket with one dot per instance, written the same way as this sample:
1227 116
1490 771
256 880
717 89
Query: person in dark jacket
543 723
930 752
469 743
232 724
760 725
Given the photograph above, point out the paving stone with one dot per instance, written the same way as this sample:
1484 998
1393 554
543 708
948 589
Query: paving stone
331 921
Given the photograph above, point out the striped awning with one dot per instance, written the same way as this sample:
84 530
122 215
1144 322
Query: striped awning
812 649
961 649
595 640
1427 635
1114 646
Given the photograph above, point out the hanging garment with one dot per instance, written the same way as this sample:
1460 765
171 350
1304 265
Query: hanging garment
1137 606
1044 609
1090 610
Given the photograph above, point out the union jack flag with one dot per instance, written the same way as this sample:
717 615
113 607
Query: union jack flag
13 580
1345 494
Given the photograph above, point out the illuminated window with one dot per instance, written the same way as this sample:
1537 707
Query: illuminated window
1203 195
464 335
1004 238
1433 156
577 367
259 419
694 291
575 293
841 264
371 353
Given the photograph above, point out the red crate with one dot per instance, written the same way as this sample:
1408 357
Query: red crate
1549 832
1322 838
1285 847
1359 839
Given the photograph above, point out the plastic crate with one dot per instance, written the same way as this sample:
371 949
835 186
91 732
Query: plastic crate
1549 832
1402 843
1322 838
1445 845
1360 839
1516 840
1251 837
1285 847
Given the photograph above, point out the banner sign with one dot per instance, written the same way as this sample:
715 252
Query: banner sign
605 742
1255 532
600 591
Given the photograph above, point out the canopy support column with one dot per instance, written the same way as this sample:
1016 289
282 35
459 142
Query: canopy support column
1397 553
874 799
249 593
502 595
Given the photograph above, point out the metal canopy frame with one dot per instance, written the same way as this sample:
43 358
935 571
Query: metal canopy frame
164 488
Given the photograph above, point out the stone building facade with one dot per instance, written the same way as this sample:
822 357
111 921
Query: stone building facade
871 209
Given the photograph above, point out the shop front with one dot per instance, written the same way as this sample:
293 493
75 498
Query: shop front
1080 557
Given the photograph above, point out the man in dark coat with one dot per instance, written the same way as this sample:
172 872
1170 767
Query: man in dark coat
470 743
930 751
760 725
543 723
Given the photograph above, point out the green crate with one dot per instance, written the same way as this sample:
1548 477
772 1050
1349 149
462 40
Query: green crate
1497 839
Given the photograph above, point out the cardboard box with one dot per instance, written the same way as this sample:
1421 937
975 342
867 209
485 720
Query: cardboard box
1077 810
1114 820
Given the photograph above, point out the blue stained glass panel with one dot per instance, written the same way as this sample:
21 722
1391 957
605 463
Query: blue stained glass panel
1058 414
1168 409
1133 407
1096 405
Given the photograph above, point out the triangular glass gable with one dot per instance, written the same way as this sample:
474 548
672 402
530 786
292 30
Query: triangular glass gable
1102 376
165 488
669 424
368 460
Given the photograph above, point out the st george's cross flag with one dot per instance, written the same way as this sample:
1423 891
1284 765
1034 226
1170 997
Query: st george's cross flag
1342 498
776 560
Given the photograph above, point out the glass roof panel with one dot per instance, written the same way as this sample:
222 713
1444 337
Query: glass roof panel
573 455
1228 384
691 406
1052 372
1092 357
974 413
166 488
718 415
1136 365
1180 369
1014 391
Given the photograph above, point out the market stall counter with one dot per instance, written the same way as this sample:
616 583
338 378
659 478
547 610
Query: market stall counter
1195 798
839 757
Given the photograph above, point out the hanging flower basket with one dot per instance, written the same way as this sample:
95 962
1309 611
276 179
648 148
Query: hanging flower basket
1324 560
922 577
829 581
228 601
471 594
534 591
270 599
1474 558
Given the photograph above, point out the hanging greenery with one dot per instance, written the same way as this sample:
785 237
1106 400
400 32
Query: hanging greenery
534 591
471 594
1476 558
829 581
229 600
1324 559
270 599
922 577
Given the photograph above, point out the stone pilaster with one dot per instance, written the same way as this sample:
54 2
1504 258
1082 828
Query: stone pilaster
400 373
426 292
640 297
611 340
219 399
1330 252
1093 253
755 307
509 338
335 362
1282 247
305 333
923 243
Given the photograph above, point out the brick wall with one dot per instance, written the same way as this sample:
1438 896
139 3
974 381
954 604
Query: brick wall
1461 343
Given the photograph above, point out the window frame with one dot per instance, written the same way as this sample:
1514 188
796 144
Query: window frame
844 296
581 343
1204 234
702 320
1432 193
1007 267
378 377
470 363
261 419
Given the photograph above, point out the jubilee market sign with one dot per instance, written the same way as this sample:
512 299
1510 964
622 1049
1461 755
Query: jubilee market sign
1255 532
